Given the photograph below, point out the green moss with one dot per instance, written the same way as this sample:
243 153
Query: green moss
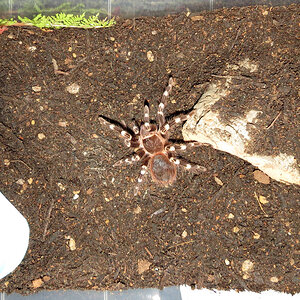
7 22
62 20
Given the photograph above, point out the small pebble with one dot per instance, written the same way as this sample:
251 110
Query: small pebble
73 88
6 162
72 243
230 216
20 181
41 136
63 123
256 235
235 229
150 56
184 234
46 278
247 266
31 48
36 88
274 279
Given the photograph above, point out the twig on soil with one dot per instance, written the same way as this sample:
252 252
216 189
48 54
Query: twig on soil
181 244
161 210
230 76
238 33
223 188
149 253
48 219
14 64
21 161
218 193
256 197
55 67
272 123
79 64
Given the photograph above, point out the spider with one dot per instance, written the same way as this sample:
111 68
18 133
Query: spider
151 145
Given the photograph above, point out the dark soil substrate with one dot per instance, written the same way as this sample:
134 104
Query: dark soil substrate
198 231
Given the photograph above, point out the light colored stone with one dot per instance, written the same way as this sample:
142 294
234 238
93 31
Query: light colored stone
150 56
274 279
36 88
247 266
73 88
234 134
41 136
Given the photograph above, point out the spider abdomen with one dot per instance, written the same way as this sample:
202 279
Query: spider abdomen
162 170
153 144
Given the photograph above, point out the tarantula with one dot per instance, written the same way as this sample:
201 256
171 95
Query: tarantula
151 145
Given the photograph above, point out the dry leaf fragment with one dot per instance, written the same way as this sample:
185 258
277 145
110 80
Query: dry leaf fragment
20 181
137 210
143 265
218 181
37 283
89 191
63 123
197 18
261 177
263 200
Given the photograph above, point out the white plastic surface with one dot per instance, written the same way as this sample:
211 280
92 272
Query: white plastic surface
14 237
188 294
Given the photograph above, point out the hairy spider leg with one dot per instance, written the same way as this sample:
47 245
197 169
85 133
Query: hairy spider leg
161 106
143 171
128 160
135 128
146 117
177 147
181 162
174 121
123 133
